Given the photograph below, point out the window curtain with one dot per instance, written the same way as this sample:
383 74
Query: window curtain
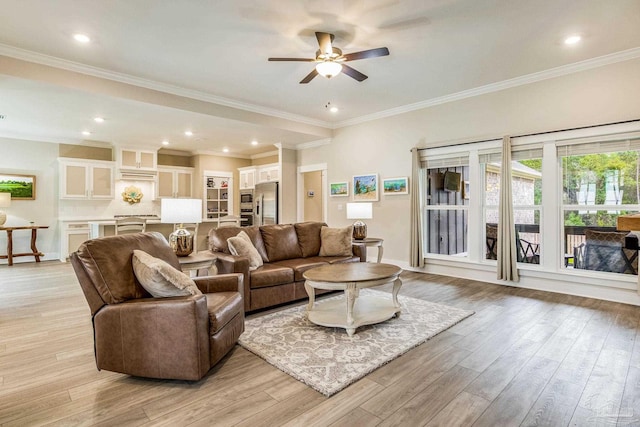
416 258
507 255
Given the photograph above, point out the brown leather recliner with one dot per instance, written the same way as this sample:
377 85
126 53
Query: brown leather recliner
136 334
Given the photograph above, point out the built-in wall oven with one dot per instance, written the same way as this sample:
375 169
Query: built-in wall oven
246 207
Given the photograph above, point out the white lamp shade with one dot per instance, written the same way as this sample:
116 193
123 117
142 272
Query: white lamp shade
359 210
5 200
328 69
178 211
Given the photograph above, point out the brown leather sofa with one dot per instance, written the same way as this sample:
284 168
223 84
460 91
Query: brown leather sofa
287 250
136 334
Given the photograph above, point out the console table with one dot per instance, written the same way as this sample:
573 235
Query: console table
34 235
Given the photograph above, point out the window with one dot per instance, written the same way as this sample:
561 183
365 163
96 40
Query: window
526 194
599 183
447 205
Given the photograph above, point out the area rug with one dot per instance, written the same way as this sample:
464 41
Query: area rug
327 359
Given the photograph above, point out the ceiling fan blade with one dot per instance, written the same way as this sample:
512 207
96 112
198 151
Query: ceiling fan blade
371 53
292 59
352 72
324 41
309 77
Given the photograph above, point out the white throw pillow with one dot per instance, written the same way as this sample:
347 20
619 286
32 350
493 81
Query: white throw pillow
243 246
159 278
336 241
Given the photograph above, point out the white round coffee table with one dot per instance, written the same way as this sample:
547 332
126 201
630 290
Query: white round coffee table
352 310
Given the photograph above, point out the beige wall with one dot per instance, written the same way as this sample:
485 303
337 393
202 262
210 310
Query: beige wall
222 164
265 160
175 160
313 204
288 186
84 152
602 95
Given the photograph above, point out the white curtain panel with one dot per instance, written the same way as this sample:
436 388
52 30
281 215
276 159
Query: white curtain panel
416 258
507 258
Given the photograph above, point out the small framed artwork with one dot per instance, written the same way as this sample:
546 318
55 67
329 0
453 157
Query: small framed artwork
21 187
393 186
339 189
465 189
365 188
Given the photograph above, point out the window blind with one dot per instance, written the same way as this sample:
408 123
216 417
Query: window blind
594 147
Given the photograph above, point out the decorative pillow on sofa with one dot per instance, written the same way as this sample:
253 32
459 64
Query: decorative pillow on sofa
242 245
159 278
336 241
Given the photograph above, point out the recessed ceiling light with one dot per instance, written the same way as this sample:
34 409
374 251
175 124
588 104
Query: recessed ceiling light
98 119
225 150
188 133
165 142
86 133
82 38
254 142
333 109
572 39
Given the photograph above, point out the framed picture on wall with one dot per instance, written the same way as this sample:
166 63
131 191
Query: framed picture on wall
365 188
339 189
395 186
21 187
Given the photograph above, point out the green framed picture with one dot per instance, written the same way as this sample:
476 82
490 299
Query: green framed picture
21 187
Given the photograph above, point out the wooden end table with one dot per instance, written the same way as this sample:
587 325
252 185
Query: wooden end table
370 242
197 261
352 310
34 235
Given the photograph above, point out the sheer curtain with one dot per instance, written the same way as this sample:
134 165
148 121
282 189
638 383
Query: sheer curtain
507 254
416 258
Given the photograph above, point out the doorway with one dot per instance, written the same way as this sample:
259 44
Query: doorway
312 193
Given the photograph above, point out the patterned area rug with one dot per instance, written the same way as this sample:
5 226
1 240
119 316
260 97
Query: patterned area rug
327 359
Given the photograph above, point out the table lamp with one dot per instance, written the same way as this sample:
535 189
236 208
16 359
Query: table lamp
180 211
5 202
359 211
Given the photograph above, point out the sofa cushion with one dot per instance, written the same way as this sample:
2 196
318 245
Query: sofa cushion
242 245
281 242
222 307
159 278
336 241
218 239
270 275
309 237
300 265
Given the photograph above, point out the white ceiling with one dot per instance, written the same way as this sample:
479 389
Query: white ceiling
216 52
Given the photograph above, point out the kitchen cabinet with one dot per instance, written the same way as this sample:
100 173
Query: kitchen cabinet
73 234
142 160
174 182
247 178
86 180
269 173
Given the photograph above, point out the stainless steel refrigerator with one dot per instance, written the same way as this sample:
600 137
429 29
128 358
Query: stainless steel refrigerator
265 203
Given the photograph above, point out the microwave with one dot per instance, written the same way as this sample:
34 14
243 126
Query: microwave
246 197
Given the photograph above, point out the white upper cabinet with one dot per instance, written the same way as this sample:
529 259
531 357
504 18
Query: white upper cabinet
174 182
85 180
143 160
269 173
247 178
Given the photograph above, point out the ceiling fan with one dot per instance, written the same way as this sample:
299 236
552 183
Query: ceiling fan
331 61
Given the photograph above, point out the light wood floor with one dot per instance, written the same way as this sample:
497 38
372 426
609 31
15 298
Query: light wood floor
525 358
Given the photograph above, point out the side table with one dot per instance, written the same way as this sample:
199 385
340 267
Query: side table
198 261
34 235
371 242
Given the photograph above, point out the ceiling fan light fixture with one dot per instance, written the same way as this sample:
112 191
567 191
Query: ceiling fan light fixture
328 69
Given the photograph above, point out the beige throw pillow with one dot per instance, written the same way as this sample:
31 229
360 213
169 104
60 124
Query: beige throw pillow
241 245
336 241
159 278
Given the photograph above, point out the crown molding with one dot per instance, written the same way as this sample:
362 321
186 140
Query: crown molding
221 154
64 64
312 144
600 61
